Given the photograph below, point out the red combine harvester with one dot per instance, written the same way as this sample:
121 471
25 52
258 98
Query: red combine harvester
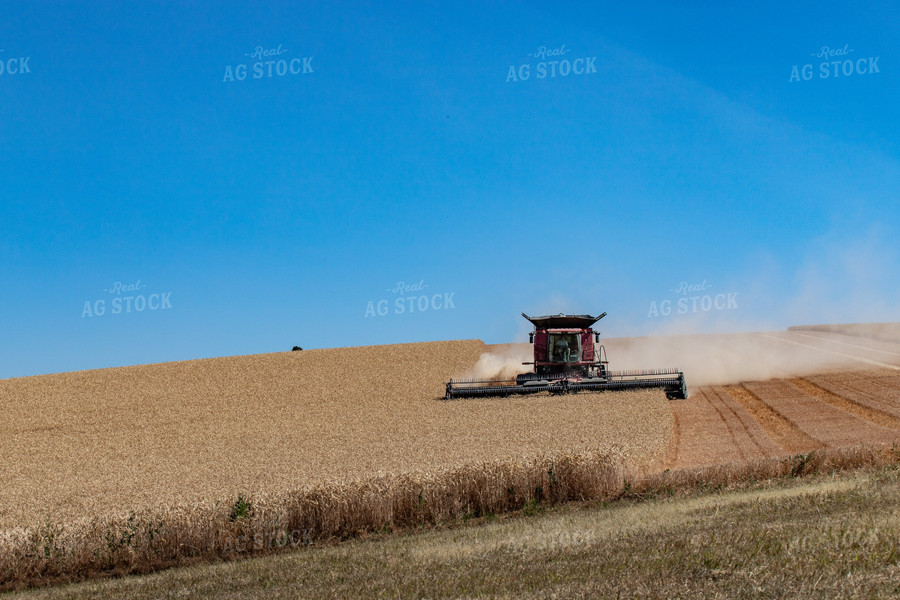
568 358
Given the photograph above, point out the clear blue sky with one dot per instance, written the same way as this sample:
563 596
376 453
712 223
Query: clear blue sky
268 212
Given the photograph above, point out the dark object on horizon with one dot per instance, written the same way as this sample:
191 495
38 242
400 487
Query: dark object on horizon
295 348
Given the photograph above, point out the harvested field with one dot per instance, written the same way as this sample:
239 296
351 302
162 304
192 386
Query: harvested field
714 429
90 443
873 392
823 422
785 433
891 384
855 395
750 438
701 432
838 401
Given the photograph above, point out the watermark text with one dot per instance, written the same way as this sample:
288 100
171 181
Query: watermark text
835 62
553 61
410 298
126 299
17 65
267 63
691 298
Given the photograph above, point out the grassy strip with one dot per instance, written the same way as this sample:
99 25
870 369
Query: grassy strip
823 536
144 543
158 539
826 460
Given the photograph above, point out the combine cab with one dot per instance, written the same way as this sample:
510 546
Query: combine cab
568 358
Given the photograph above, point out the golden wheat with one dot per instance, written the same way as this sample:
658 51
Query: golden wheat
87 443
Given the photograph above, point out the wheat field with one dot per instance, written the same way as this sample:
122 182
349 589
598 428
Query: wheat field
91 443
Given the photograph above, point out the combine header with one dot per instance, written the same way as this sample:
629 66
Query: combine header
568 358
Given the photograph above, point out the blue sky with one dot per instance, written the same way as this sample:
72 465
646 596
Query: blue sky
272 211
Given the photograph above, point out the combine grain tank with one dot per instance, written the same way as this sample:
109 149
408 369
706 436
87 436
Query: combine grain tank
568 358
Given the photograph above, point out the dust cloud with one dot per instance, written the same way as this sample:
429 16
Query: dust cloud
877 331
719 359
502 362
708 359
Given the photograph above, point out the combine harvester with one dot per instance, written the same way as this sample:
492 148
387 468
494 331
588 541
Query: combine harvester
568 358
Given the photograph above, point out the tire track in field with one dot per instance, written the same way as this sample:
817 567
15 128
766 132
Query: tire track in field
727 418
675 443
892 383
701 433
823 391
868 388
888 385
758 441
784 432
827 424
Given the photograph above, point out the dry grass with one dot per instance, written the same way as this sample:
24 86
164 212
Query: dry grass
162 537
831 535
139 467
821 460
